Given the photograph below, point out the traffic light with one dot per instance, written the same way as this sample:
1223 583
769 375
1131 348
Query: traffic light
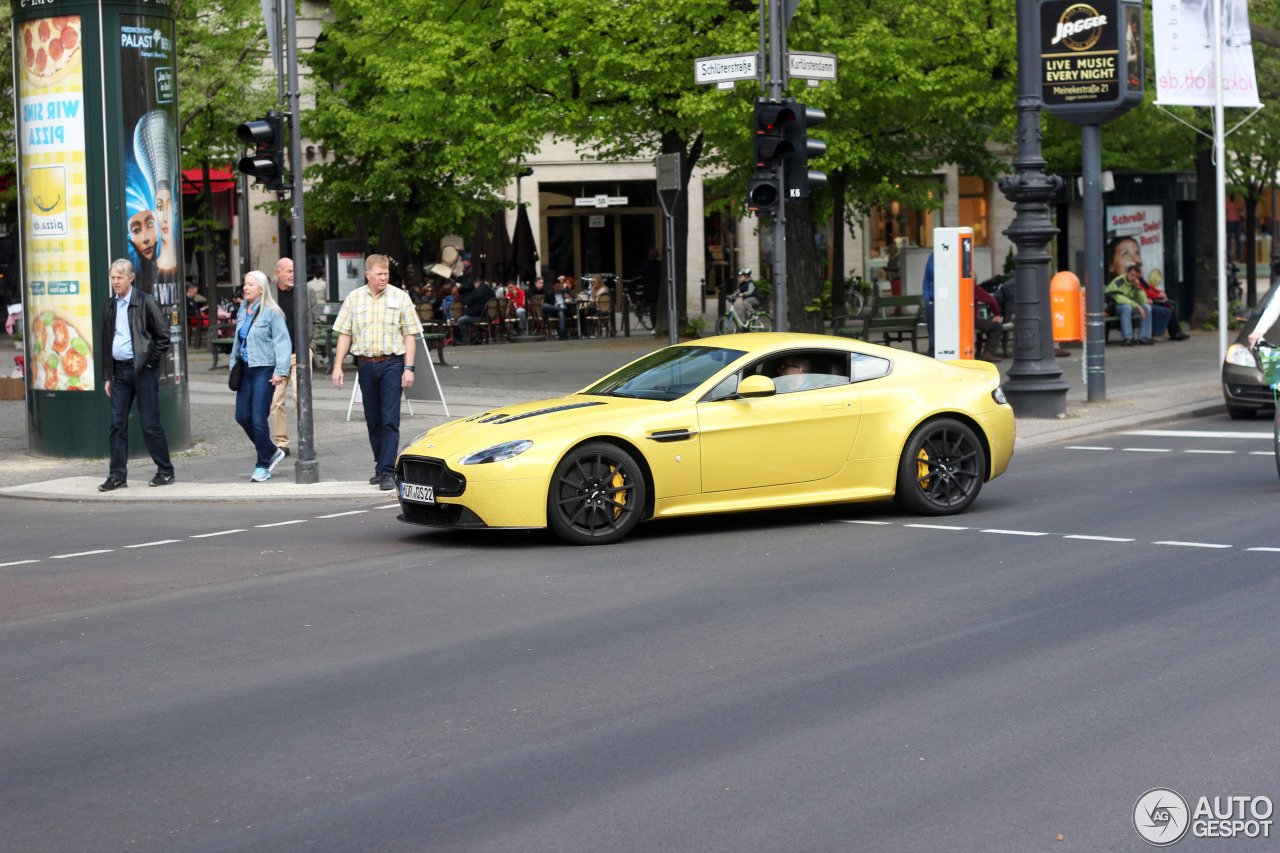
266 164
770 149
803 149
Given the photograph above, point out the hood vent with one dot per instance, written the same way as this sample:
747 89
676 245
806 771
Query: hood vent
500 418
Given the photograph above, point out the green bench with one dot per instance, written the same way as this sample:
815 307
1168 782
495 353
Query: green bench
892 319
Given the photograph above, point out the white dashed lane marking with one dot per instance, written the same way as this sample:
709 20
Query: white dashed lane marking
18 563
81 554
218 533
157 542
1189 544
1087 537
1015 532
283 523
1096 538
340 514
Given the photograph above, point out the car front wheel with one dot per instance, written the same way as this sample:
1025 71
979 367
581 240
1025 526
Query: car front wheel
942 469
597 495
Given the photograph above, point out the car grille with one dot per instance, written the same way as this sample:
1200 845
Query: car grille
425 471
1250 393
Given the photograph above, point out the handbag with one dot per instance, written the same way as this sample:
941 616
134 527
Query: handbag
237 369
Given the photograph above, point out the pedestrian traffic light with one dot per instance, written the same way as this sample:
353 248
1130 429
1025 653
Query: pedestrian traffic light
266 164
802 149
769 149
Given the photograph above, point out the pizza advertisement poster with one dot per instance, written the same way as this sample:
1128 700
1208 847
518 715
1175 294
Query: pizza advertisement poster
153 193
51 160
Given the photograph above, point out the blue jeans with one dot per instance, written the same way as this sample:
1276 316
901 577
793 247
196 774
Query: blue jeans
144 386
1160 317
465 332
559 311
253 405
380 390
1126 321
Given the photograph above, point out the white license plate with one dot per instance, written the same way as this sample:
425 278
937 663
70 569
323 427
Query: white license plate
417 494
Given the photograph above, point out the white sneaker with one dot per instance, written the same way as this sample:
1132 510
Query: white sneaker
260 475
275 459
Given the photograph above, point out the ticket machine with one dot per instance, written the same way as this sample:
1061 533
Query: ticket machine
953 293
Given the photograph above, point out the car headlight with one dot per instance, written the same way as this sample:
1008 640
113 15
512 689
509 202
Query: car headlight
1240 355
998 396
498 452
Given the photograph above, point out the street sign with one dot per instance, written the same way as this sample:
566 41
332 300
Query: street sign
730 66
668 166
811 66
600 201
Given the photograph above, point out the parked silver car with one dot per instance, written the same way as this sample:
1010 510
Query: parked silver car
1242 386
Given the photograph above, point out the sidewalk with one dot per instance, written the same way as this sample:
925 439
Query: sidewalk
1145 385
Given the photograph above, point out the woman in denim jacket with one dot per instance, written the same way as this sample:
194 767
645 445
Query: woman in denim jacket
262 340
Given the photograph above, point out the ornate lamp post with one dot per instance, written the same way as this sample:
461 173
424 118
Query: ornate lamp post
1035 387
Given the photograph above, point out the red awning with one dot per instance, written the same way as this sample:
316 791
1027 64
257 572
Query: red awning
220 180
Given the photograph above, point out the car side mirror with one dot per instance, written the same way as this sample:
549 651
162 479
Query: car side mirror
755 386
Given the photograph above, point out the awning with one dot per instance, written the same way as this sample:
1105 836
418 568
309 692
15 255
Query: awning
220 180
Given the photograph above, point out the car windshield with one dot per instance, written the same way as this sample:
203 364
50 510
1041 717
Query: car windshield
667 374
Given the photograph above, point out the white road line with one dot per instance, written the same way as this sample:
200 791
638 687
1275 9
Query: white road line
157 542
388 506
1013 532
1259 452
936 526
81 554
1087 447
18 563
1096 538
219 533
1192 433
340 514
856 521
1189 544
1147 449
1277 550
283 523
1219 452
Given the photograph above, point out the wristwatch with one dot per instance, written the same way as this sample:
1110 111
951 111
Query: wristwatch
409 367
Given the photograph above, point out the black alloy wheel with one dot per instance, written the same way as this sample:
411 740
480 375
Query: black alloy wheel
597 495
942 469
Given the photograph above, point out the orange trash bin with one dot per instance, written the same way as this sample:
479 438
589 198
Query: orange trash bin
1066 299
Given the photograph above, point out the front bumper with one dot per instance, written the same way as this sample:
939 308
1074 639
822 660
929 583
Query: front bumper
484 498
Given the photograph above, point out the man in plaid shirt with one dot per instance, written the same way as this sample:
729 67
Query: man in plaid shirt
377 324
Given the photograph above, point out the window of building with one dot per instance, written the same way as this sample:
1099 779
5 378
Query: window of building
974 193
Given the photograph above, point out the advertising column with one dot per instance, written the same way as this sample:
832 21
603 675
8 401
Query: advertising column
97 165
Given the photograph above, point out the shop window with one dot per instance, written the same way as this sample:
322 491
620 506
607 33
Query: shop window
973 208
905 226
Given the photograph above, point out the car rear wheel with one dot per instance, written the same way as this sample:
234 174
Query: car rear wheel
942 469
597 495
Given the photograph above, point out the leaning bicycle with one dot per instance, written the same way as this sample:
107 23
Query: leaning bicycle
640 312
729 322
1268 356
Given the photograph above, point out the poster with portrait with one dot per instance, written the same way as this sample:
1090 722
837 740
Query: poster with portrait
1135 234
152 188
55 234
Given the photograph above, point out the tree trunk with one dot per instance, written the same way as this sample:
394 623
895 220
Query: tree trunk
1204 269
804 286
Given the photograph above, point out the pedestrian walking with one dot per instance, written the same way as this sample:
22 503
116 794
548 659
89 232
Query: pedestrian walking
286 292
135 340
378 324
262 342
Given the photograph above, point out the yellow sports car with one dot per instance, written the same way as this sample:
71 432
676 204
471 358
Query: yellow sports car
723 424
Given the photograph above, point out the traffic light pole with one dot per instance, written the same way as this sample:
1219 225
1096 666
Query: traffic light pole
306 469
777 88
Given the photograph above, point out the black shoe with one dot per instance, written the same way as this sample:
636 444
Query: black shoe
386 482
112 484
1180 337
375 479
1127 342
1145 342
161 480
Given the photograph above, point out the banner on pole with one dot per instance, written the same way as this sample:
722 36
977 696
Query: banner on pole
1184 54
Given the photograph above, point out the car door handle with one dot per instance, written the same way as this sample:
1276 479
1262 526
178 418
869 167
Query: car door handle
665 435
831 406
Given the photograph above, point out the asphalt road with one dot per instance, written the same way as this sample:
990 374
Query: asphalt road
320 676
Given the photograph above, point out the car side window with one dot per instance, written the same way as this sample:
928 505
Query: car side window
724 388
869 367
805 369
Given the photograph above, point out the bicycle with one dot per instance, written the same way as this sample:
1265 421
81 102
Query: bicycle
757 321
641 313
1268 356
855 301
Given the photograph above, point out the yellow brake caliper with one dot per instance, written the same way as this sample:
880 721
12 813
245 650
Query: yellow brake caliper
618 482
922 469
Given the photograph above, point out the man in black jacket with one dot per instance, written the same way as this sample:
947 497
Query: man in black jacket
135 338
473 311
